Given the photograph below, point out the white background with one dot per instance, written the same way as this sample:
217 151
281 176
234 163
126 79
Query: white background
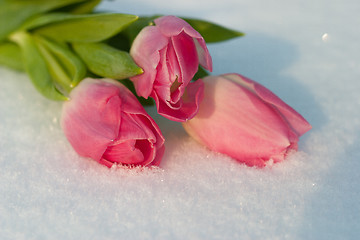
307 52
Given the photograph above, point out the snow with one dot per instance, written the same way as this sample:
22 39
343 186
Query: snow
306 52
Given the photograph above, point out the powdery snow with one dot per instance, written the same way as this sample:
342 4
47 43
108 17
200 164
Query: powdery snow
48 192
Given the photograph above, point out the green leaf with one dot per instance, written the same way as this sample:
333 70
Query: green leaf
64 66
133 30
120 41
212 32
87 28
36 67
10 56
201 73
56 71
45 19
14 12
107 61
81 8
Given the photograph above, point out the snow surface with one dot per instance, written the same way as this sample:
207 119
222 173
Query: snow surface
306 51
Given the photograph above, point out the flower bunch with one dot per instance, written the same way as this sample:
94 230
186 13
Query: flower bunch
105 66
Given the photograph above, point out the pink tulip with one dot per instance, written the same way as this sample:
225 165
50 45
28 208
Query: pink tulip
170 53
104 121
246 121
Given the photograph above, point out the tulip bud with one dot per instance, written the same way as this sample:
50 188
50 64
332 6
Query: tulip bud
246 121
104 121
170 52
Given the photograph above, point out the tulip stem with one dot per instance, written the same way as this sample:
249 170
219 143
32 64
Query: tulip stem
60 77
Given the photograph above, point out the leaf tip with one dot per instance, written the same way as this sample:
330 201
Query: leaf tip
240 34
139 71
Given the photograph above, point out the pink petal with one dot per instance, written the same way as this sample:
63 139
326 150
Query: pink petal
124 152
91 119
163 77
104 121
141 138
159 154
137 124
186 57
189 104
234 121
132 128
145 52
204 56
178 65
155 136
136 111
130 103
293 118
173 26
153 146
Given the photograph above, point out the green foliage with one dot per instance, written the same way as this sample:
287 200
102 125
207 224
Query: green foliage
14 12
107 61
81 7
86 28
60 42
36 67
10 56
133 30
212 32
65 66
201 73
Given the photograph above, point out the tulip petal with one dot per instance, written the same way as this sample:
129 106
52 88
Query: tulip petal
170 53
130 129
142 144
145 52
186 57
159 154
293 118
173 26
189 104
91 120
137 125
124 152
252 131
130 104
176 68
163 77
104 121
204 56
132 107
153 146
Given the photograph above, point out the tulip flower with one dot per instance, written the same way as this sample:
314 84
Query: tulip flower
170 52
104 121
246 121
